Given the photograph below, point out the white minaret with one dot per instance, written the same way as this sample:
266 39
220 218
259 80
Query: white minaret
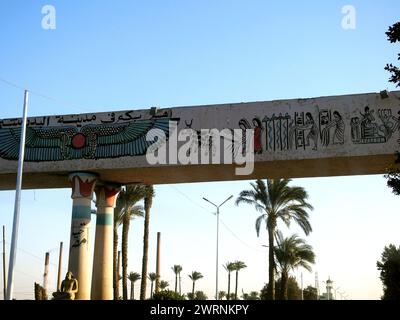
329 286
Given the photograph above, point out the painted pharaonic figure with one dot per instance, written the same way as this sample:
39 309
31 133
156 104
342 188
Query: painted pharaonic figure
312 129
369 129
338 134
257 135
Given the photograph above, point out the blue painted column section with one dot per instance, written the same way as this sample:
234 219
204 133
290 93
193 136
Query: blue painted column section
102 281
82 185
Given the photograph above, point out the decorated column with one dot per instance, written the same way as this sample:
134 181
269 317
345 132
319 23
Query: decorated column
82 193
102 280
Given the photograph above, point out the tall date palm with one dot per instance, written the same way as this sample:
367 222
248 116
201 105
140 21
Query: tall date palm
127 200
291 253
133 277
125 210
152 277
148 202
238 265
177 270
276 200
229 267
194 277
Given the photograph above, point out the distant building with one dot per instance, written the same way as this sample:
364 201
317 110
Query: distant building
324 296
328 295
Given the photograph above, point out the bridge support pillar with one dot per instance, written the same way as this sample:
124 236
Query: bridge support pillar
102 276
82 185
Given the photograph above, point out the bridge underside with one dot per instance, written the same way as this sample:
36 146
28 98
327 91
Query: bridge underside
339 166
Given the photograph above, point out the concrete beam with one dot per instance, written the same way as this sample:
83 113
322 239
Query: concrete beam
327 136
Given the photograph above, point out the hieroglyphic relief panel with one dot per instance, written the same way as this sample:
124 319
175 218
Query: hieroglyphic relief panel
300 131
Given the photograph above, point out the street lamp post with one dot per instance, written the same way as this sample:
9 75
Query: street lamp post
216 271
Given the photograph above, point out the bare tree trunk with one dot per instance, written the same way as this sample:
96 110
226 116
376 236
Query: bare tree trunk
132 291
176 282
125 232
158 263
147 206
236 285
115 266
180 284
271 293
229 286
284 286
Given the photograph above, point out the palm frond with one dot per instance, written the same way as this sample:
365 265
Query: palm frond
229 266
134 276
195 276
176 268
152 276
238 265
134 211
259 220
293 252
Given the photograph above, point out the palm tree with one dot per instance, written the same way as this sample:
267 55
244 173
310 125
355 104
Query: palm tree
194 277
163 284
133 277
177 270
148 201
229 267
221 295
126 202
152 277
291 253
180 282
277 200
238 265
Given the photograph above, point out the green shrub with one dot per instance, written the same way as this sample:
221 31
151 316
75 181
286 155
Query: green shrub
167 295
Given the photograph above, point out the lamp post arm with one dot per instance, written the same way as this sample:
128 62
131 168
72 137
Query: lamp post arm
226 200
205 199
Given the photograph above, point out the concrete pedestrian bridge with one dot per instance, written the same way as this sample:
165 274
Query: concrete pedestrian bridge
99 152
327 136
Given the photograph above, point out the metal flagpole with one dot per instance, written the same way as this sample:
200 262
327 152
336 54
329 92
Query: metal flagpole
17 204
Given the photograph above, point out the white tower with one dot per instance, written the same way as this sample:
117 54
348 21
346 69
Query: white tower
329 287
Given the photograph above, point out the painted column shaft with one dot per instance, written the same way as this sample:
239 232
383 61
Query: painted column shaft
102 281
79 263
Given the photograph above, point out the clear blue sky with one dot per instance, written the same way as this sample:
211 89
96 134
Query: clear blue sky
114 55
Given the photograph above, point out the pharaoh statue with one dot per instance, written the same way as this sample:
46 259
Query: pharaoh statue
68 289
